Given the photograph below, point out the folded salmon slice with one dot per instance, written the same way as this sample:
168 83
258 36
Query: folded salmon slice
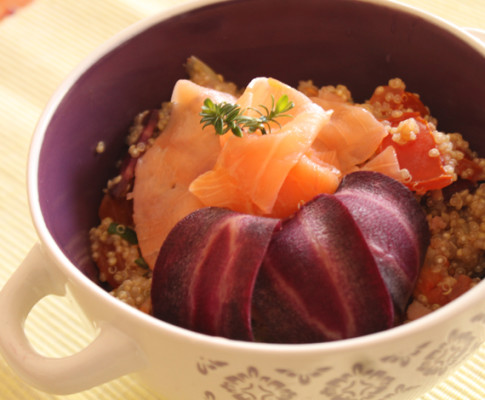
162 176
386 163
353 133
308 178
250 171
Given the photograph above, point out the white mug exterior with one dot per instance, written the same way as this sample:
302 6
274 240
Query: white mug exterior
110 355
401 363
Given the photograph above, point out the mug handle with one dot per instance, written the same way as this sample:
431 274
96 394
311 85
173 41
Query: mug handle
110 355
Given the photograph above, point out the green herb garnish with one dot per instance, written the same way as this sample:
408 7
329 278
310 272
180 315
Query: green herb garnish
141 263
124 231
227 117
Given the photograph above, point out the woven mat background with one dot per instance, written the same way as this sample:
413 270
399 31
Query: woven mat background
39 45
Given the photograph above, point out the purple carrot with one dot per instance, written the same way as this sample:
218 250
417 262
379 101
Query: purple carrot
204 276
319 280
394 226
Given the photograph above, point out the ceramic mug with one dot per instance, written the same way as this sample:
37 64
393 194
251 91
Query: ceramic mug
357 43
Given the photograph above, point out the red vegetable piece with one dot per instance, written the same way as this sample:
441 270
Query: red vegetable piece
431 285
470 165
127 170
394 227
398 99
119 209
458 186
319 280
427 173
204 276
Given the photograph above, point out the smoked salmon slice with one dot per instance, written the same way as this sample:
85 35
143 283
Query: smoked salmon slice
250 171
307 179
386 163
353 132
162 176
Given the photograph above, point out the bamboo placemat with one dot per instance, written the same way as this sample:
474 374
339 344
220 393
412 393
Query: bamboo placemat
39 45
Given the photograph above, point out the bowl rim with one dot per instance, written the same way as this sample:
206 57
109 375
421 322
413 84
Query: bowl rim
458 306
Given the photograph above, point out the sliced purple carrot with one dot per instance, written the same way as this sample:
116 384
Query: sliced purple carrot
394 226
319 280
204 276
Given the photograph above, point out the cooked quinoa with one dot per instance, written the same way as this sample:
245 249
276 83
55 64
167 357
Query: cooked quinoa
457 226
455 259
120 265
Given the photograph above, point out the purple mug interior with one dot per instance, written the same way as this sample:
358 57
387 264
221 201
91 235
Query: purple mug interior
357 43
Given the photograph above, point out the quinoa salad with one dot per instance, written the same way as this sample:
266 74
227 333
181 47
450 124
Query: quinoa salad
453 201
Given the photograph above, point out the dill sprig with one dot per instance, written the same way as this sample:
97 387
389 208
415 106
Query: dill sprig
227 117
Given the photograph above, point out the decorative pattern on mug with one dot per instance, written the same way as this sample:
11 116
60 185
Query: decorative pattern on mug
362 381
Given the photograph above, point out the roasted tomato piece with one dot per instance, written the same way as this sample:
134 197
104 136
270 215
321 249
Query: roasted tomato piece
394 97
439 288
118 209
417 152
